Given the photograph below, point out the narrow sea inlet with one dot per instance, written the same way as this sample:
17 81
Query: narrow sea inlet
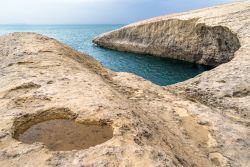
160 71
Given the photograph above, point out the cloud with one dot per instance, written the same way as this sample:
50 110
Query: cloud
92 11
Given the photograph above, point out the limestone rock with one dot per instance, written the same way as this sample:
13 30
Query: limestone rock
42 79
217 36
201 122
208 36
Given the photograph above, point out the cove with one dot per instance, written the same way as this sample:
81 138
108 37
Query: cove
160 71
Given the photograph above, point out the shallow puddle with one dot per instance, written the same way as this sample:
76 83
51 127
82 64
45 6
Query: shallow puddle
66 135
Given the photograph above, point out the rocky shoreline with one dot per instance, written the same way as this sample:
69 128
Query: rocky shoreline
200 122
213 36
225 40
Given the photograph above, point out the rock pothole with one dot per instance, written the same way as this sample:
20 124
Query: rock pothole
66 135
61 133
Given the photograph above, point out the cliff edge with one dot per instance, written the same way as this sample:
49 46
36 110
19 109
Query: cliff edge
217 36
207 36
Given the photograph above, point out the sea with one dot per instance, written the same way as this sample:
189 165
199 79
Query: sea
161 71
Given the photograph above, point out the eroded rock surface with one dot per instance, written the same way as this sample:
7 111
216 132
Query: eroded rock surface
211 36
42 80
181 125
208 36
174 38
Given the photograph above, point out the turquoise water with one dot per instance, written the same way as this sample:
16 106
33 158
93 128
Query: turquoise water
158 70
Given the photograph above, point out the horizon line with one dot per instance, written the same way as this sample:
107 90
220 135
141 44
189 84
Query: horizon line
64 23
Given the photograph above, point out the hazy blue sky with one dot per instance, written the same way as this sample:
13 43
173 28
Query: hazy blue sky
92 11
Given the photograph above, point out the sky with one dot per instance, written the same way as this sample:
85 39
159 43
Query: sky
93 11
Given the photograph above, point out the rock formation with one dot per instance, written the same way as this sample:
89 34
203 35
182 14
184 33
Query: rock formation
201 122
211 36
207 36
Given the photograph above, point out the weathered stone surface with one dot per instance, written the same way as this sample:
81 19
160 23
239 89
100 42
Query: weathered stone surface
208 36
42 79
225 89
